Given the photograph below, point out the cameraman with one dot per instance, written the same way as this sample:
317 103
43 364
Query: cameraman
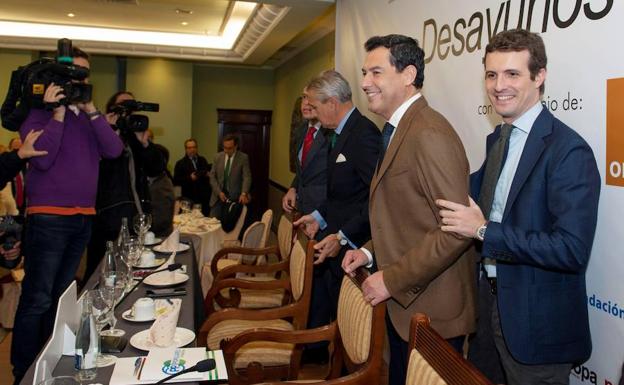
60 205
123 189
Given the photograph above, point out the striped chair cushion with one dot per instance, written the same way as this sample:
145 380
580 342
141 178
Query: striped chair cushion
355 318
267 353
420 372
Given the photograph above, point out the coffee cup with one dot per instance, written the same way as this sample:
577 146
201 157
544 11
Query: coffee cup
149 238
143 309
147 258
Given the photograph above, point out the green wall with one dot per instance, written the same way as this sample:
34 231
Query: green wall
290 78
170 84
103 76
226 87
9 61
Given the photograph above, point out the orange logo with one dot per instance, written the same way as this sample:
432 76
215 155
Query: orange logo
615 132
38 89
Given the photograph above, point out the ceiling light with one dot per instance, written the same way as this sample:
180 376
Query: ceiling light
241 12
71 14
184 23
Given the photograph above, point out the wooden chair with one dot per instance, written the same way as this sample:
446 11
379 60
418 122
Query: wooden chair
356 338
433 361
225 324
255 236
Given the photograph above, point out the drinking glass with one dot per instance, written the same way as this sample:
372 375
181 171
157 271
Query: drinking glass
185 206
102 303
197 210
116 287
142 224
60 380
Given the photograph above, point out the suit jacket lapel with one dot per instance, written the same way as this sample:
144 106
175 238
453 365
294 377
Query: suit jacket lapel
341 140
395 144
531 153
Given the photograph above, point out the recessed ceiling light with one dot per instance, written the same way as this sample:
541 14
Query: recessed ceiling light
71 14
184 23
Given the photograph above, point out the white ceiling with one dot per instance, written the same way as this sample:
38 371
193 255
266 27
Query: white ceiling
267 29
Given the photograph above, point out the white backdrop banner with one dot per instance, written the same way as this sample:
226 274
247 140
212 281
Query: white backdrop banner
584 88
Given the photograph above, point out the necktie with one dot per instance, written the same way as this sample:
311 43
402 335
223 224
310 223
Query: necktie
493 167
19 190
332 139
386 134
194 161
307 143
226 172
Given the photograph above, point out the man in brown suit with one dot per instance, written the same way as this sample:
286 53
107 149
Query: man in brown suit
421 268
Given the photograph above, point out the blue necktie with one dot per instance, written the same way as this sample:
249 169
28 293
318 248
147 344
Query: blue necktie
386 134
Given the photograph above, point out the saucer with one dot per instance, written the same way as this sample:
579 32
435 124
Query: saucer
181 338
164 278
157 262
127 315
154 242
181 247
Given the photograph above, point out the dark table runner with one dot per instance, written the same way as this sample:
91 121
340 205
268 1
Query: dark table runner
191 317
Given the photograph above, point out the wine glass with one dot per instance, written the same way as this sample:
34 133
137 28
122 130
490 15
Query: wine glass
185 206
115 284
142 224
102 303
197 210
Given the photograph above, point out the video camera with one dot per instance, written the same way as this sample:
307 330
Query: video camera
129 122
10 234
29 82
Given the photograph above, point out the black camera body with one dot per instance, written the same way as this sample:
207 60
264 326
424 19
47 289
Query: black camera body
130 122
11 233
28 84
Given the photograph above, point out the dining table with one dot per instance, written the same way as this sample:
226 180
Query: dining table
191 317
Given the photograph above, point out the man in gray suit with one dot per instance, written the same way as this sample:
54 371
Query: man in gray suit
230 176
308 189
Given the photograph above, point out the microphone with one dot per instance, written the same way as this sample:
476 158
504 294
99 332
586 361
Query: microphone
201 366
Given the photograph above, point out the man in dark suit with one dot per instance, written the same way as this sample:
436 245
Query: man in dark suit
421 269
353 144
308 189
191 173
537 196
230 177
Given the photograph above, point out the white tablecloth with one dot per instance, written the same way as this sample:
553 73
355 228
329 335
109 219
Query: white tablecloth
207 236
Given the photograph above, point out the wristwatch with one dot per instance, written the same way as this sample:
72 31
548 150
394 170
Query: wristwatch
93 114
480 234
341 239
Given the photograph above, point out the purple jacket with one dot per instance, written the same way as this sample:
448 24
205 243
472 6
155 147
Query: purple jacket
67 176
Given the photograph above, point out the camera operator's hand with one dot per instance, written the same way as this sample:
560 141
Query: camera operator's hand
111 118
27 150
143 137
11 253
194 177
222 197
87 107
53 94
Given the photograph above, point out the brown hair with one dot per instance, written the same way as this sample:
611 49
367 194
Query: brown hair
519 40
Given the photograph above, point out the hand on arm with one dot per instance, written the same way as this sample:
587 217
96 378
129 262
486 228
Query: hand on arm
354 259
28 149
460 219
374 289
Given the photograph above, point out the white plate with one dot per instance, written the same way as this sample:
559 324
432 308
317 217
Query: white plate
127 315
164 278
157 262
155 242
181 247
181 338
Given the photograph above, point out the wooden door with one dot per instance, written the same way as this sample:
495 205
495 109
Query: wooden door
253 130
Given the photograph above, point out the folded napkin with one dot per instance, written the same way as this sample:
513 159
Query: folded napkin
170 261
163 330
172 241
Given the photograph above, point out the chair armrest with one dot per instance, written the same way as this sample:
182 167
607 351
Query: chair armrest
239 250
232 270
323 333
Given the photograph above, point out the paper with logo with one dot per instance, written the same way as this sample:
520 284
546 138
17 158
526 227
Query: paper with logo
341 158
163 330
151 369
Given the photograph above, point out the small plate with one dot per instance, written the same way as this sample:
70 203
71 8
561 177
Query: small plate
155 242
181 247
157 262
164 279
127 315
181 338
